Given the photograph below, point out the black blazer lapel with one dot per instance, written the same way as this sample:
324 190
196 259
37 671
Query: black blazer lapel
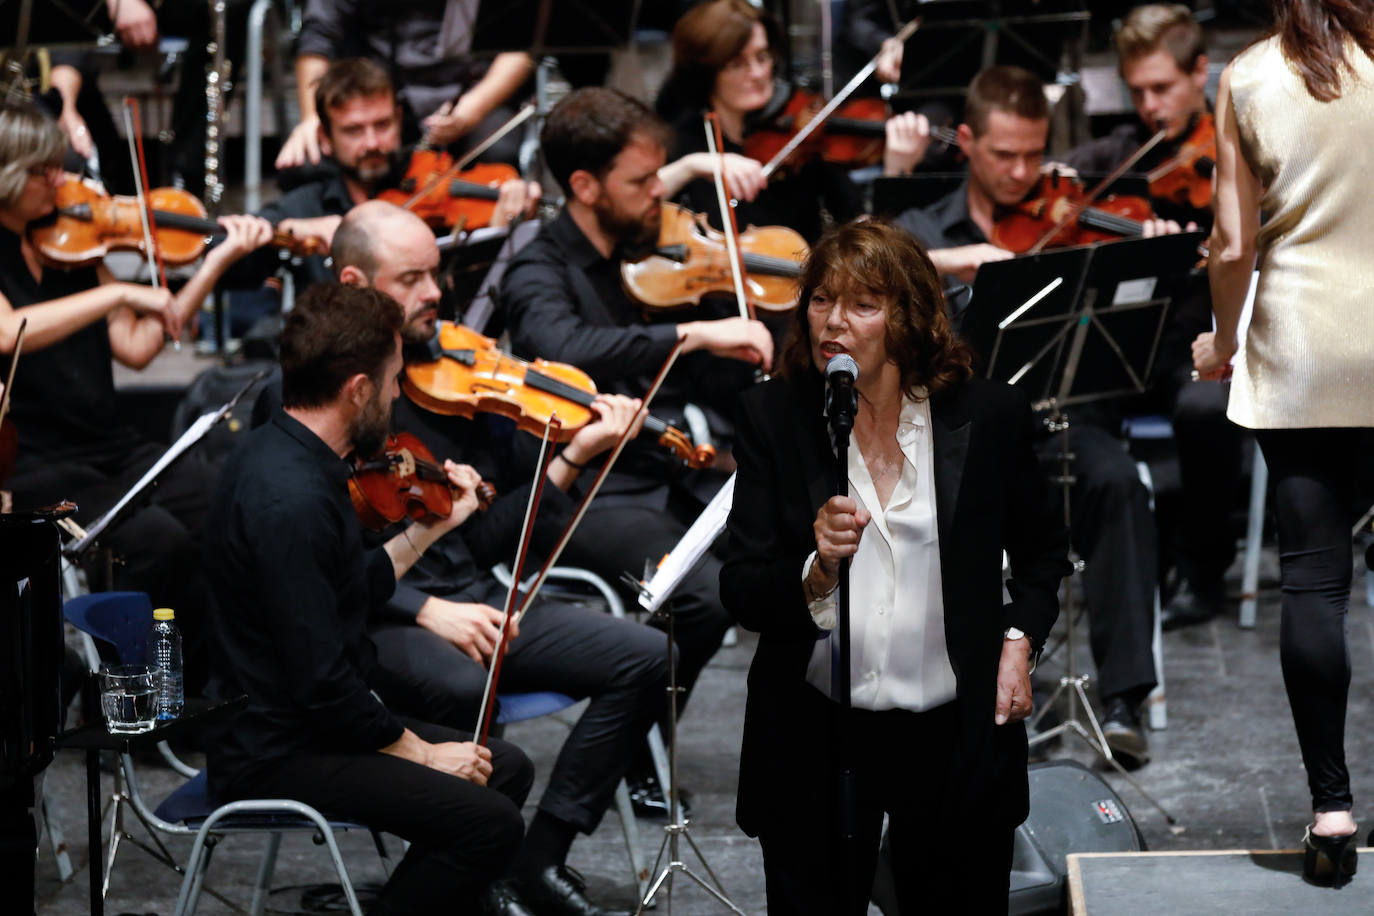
950 424
811 438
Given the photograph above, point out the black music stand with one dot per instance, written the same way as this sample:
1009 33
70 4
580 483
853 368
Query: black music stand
1088 331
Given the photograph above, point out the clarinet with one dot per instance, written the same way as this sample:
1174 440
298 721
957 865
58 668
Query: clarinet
217 87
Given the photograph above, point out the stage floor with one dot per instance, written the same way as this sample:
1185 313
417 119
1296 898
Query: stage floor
1227 768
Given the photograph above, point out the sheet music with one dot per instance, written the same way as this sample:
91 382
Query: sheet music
189 438
690 549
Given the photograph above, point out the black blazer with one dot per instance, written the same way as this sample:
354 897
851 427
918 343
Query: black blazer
990 495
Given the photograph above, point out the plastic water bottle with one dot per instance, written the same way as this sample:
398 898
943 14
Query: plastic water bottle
164 651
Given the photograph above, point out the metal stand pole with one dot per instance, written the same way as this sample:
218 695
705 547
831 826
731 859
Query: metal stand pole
847 797
1079 719
677 827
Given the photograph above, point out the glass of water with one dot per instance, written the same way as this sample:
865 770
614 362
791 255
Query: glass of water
128 698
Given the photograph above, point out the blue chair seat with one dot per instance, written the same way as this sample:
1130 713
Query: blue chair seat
1148 426
518 707
192 803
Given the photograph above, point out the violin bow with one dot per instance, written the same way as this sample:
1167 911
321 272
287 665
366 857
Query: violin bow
601 475
520 117
1074 211
727 214
133 126
484 716
840 97
14 364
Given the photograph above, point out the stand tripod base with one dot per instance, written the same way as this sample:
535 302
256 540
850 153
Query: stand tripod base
1073 685
671 833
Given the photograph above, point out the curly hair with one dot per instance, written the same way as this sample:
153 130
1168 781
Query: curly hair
882 258
333 333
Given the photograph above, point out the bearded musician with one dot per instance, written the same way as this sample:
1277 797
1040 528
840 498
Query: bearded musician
563 299
1003 135
358 130
1163 61
437 634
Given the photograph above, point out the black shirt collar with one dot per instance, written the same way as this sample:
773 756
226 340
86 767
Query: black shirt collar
951 215
580 251
336 467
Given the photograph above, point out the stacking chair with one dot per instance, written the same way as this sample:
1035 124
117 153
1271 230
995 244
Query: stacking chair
122 619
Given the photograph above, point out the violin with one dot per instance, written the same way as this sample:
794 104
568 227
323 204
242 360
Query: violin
88 223
470 374
852 136
465 200
691 260
1186 178
1023 227
405 480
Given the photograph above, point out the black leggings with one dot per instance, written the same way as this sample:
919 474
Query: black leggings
1313 473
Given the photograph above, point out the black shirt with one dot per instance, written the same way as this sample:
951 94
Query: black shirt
793 198
458 566
563 301
325 195
63 402
291 586
945 223
1106 153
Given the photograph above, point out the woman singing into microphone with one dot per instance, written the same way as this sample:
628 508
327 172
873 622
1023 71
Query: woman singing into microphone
942 479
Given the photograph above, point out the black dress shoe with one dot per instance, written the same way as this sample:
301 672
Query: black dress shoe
559 891
648 800
1121 727
1329 861
1193 605
501 899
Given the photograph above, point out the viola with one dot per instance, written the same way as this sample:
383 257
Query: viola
852 136
1024 227
88 223
462 200
1186 178
405 480
470 374
691 261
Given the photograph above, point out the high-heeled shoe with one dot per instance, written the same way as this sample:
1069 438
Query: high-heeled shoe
1329 860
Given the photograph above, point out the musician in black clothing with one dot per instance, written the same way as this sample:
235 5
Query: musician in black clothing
723 61
74 441
292 589
1006 123
1163 60
437 633
563 300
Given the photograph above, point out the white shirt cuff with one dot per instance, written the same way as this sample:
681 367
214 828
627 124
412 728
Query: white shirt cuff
824 610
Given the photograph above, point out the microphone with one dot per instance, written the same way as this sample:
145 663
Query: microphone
840 374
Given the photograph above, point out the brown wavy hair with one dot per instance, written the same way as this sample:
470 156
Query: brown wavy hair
704 40
882 258
1313 36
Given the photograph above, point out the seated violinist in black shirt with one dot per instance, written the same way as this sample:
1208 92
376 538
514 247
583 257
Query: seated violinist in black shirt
723 61
1006 124
1163 60
292 588
74 442
359 128
437 633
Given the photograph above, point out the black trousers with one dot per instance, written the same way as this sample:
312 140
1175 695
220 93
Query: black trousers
1210 458
156 547
621 665
1113 530
618 538
462 835
938 866
1313 474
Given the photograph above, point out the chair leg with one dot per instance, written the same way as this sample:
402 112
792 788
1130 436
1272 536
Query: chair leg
56 838
629 826
382 852
344 881
263 886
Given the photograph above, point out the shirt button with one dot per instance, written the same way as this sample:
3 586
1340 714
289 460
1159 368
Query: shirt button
882 609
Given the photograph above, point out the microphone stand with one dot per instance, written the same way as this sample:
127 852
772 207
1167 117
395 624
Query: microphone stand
843 404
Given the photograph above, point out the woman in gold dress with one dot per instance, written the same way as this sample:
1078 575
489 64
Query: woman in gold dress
1295 113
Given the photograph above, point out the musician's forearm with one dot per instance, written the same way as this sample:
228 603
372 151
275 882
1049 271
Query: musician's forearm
507 73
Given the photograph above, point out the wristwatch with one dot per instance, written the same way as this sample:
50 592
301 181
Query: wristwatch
1014 633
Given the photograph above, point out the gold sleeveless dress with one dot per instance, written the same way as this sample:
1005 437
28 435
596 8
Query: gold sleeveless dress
1308 357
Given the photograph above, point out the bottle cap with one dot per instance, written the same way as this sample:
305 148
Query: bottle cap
163 613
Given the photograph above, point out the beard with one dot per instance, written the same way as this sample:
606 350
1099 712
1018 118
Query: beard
635 237
368 431
372 166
